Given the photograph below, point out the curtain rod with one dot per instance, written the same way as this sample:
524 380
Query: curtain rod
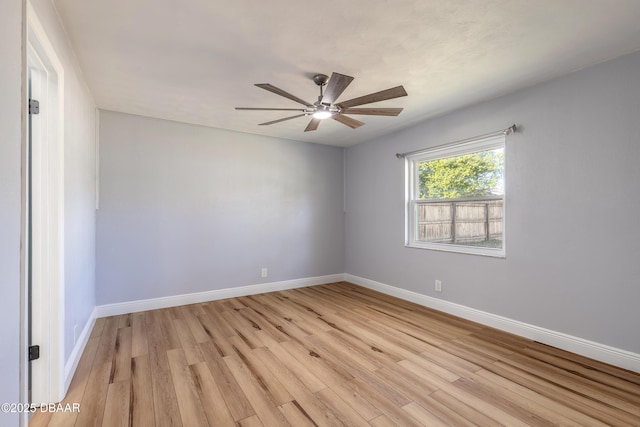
511 129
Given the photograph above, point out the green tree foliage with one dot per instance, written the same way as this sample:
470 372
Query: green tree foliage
476 174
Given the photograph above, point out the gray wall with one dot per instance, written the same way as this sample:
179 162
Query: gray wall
10 143
186 208
572 230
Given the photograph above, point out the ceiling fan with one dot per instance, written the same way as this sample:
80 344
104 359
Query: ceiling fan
327 107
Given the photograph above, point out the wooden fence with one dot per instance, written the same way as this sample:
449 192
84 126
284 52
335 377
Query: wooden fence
461 222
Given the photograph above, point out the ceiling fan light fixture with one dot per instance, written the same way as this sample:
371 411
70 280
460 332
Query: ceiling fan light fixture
322 114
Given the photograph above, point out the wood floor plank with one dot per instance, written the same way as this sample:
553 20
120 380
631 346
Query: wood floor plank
323 367
338 383
596 391
589 364
215 334
98 327
184 333
467 353
392 410
358 370
124 320
141 397
288 326
291 314
157 345
121 366
370 352
302 373
547 387
405 381
191 410
242 329
214 309
139 344
425 417
557 413
171 337
165 401
95 396
215 408
332 355
77 387
233 394
514 406
627 388
44 419
304 400
265 410
252 421
277 393
107 348
399 325
295 415
622 390
195 327
363 359
262 322
116 410
189 344
481 405
305 314
339 406
383 421
456 412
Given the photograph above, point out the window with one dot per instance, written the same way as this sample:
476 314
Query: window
455 197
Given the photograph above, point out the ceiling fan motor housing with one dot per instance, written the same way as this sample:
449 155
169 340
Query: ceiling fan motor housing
320 79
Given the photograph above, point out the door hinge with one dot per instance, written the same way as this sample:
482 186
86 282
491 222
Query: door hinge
34 352
34 106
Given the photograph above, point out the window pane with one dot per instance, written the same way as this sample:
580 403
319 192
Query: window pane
469 223
468 175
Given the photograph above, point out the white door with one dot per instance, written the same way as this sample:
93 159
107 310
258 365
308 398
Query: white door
44 220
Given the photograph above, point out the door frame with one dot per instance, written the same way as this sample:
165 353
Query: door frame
47 314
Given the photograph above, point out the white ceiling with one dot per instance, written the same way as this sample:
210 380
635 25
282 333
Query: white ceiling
195 60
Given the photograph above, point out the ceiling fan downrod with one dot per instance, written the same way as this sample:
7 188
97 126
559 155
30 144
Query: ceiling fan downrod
320 80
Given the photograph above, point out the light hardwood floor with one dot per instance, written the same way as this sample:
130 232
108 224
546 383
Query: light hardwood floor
334 354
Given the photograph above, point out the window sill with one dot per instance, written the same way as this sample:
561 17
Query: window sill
461 249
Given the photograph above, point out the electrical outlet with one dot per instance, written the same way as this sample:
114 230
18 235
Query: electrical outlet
438 286
264 272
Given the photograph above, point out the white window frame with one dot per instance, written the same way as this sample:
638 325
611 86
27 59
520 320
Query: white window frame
412 193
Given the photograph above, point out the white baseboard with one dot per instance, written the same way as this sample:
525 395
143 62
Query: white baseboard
78 349
194 298
614 356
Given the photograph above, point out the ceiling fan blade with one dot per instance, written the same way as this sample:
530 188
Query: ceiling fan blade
394 92
337 84
270 109
345 120
281 120
373 111
313 125
278 91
